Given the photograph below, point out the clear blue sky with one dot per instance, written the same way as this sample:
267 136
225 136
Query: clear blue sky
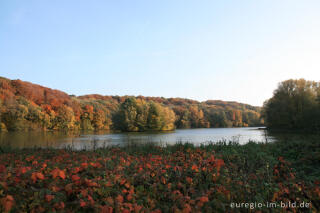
231 50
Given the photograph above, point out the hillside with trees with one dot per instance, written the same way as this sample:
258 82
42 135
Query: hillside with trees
25 106
295 105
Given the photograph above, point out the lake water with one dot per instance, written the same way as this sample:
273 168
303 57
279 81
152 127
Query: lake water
102 139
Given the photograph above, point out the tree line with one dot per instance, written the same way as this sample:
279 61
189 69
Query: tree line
26 106
295 105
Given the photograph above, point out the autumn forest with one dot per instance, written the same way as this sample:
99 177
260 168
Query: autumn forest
26 106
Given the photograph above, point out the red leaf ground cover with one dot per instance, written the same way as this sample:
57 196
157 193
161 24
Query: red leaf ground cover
186 180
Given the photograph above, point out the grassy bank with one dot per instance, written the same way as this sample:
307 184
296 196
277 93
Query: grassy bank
179 178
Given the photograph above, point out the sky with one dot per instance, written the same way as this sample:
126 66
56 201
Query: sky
199 49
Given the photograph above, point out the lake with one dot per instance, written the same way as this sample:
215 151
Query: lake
101 139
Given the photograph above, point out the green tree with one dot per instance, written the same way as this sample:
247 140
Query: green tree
160 118
294 105
138 115
155 120
64 118
14 117
86 118
126 119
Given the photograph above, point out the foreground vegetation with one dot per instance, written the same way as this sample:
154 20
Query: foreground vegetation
25 106
148 178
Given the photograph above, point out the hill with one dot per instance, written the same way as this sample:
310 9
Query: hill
28 106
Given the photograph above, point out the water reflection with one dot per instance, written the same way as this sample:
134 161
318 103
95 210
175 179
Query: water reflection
103 139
